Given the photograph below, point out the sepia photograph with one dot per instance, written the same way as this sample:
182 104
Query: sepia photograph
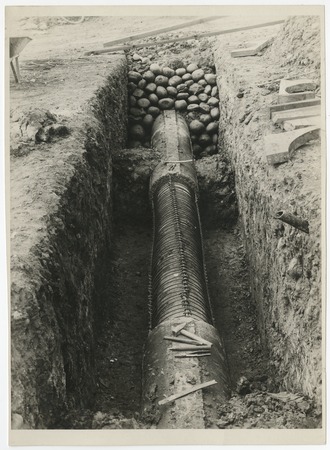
165 172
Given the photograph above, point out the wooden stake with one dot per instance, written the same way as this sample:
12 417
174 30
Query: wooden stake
174 397
197 355
184 341
191 347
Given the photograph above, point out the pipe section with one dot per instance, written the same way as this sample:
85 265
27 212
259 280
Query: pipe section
178 289
294 221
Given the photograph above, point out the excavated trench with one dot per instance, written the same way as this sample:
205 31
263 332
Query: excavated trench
121 288
116 313
122 319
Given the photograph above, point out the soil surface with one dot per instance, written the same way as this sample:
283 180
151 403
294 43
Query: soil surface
53 68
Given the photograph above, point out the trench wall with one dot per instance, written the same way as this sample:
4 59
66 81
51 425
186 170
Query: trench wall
285 263
55 249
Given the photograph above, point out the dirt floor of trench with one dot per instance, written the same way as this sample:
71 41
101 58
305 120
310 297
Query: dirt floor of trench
123 289
124 328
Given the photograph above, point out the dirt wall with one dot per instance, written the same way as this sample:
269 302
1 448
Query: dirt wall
285 263
60 226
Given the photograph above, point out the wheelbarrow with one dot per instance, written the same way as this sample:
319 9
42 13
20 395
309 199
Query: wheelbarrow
16 45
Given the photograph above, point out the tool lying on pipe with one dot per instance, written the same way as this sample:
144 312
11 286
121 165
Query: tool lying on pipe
179 301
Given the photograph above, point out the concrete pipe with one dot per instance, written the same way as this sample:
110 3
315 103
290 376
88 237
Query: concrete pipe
178 292
294 221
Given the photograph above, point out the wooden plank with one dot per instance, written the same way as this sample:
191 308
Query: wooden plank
298 97
199 351
174 397
296 124
196 338
293 105
197 355
279 146
190 347
182 340
296 85
184 38
179 26
252 49
296 90
281 116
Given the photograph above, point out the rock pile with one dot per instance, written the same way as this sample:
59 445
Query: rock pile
191 90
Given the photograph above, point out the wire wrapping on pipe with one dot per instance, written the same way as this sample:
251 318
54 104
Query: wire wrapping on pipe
178 281
178 286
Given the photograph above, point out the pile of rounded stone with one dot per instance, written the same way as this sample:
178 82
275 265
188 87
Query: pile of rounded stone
190 90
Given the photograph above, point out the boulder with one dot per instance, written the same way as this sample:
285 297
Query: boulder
211 78
197 75
166 103
191 68
155 68
196 127
181 71
180 105
168 72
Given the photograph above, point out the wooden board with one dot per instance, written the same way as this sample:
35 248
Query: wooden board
252 48
296 90
296 124
184 38
199 347
281 116
293 105
173 397
295 97
278 146
179 26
